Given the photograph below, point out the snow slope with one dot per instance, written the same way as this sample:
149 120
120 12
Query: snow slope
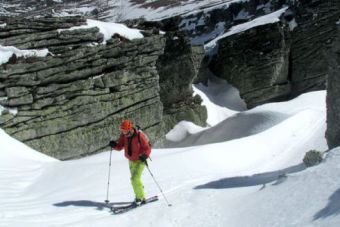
256 180
266 19
109 10
123 10
229 122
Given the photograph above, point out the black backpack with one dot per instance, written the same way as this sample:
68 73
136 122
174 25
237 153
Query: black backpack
141 131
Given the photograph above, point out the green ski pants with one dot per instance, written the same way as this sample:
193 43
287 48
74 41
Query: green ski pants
136 170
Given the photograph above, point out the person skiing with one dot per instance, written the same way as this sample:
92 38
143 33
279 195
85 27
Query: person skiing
137 150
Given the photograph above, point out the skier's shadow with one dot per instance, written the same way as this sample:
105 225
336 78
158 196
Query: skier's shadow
88 203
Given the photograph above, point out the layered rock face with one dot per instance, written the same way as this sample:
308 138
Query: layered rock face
43 33
288 63
314 33
176 68
282 60
70 103
256 61
333 94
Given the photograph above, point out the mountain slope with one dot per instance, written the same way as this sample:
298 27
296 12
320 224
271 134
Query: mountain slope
109 10
236 183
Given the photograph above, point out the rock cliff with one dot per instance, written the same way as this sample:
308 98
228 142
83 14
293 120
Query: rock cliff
333 97
271 62
176 68
274 61
70 103
256 62
313 35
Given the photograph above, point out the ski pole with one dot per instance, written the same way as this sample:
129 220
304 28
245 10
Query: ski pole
108 181
147 166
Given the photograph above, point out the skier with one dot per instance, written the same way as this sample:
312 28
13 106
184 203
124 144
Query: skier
137 151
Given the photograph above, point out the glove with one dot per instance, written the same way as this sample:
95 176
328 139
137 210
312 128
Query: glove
143 157
112 144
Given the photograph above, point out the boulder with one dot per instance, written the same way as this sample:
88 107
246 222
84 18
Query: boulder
313 158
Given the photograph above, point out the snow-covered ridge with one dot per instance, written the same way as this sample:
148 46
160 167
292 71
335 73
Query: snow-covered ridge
131 11
109 29
212 6
6 53
267 19
109 10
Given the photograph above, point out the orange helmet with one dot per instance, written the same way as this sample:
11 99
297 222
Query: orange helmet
126 125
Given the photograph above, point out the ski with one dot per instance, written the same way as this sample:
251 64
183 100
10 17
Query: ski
123 209
111 204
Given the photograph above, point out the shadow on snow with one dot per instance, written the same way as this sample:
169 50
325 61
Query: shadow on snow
235 127
88 203
257 179
332 208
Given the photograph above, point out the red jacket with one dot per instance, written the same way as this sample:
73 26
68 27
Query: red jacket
138 145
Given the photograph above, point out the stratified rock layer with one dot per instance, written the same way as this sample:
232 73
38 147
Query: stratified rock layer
71 102
256 62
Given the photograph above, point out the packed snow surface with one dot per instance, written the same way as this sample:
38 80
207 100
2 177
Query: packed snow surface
254 180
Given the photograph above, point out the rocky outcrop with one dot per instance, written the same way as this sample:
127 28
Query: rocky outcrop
43 33
256 62
333 97
288 64
177 68
310 39
70 103
210 22
282 60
